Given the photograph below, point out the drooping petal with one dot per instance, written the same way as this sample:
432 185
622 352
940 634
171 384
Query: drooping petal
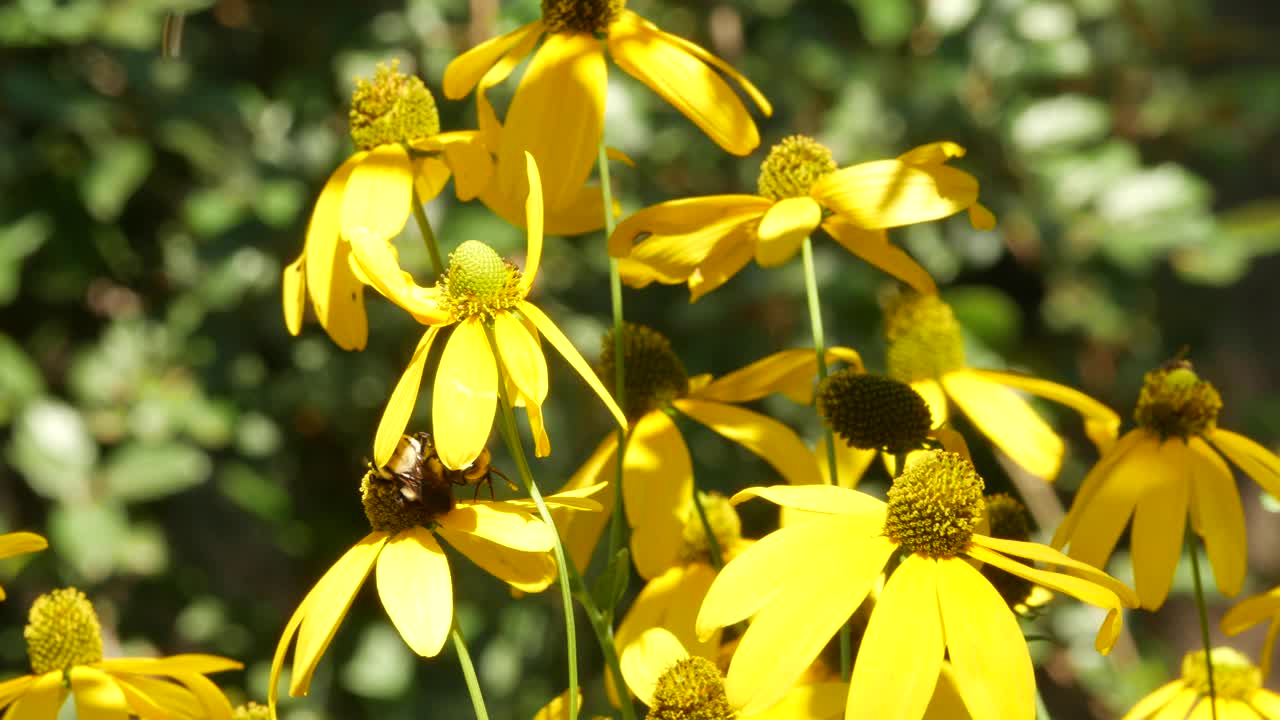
657 492
336 294
215 705
525 571
500 523
873 246
790 372
186 663
571 354
1103 515
150 697
374 261
487 120
769 439
430 174
1008 421
465 70
726 259
646 658
851 463
934 397
416 589
533 216
684 81
467 157
891 193
522 357
13 688
1153 703
282 648
379 194
1049 556
683 217
1218 516
465 397
580 532
1251 611
1255 460
400 405
1101 423
327 605
41 699
826 499
934 153
1094 481
673 257
784 227
901 653
1159 521
671 601
583 214
988 652
293 286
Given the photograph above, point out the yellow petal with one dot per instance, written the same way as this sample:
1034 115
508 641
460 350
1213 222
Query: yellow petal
465 396
1255 460
819 701
293 286
784 227
13 688
1251 611
149 697
683 217
430 174
826 499
725 260
470 161
1268 651
533 224
671 601
1154 702
981 218
1008 421
21 543
673 257
890 193
934 397
1158 525
934 153
558 708
946 703
400 405
97 696
1266 702
769 439
282 648
416 589
521 357
580 532
1218 516
525 571
684 81
186 663
1094 481
790 372
503 523
901 653
1101 423
1049 556
646 658
215 705
657 491
873 246
41 699
465 70
571 354
327 604
379 194
988 653
851 463
336 294
1104 515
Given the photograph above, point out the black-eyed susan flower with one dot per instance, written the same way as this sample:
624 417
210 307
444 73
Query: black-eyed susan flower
64 643
705 241
504 538
1236 682
400 153
925 349
557 113
1162 472
801 583
657 469
483 298
20 543
1250 612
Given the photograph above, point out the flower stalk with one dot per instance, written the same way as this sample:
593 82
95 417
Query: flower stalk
428 235
469 673
1203 611
617 524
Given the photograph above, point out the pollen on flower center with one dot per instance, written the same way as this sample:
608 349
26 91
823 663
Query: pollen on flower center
62 632
392 108
1009 520
1234 677
1175 402
873 412
793 166
584 16
479 282
935 505
923 336
725 524
691 689
654 374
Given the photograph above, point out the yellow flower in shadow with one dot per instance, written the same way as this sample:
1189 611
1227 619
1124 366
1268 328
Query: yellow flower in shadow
1250 612
20 543
1238 685
64 642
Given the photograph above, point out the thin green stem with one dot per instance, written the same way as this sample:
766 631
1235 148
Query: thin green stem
428 235
618 523
1203 610
713 543
1042 710
469 673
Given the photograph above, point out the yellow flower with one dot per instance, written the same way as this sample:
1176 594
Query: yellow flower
414 583
926 350
705 241
558 708
657 469
401 149
1250 612
1162 472
557 113
801 583
1238 686
19 543
484 297
64 642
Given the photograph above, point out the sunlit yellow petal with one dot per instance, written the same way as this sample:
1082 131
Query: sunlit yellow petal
430 174
657 491
293 286
934 153
934 397
526 571
1104 515
327 604
981 218
501 523
726 259
214 703
988 653
1049 556
1152 703
671 601
1009 422
186 663
41 700
890 193
873 246
1101 423
826 499
416 589
470 161
580 532
790 372
901 653
1159 521
646 658
400 405
465 396
378 196
533 216
673 257
684 81
335 292
817 701
1267 702
851 463
683 217
769 439
1255 460
465 70
1218 516
521 356
13 688
151 698
946 703
1251 611
282 648
783 227
574 358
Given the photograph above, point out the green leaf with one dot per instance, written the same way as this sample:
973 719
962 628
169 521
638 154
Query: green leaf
612 583
17 241
141 471
116 173
52 449
20 379
88 536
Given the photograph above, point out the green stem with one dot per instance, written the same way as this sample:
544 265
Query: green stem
713 543
1042 710
1203 610
428 235
618 523
469 673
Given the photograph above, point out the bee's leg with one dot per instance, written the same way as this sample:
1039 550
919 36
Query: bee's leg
502 475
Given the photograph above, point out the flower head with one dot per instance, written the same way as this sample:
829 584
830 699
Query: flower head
1237 684
873 412
64 644
20 543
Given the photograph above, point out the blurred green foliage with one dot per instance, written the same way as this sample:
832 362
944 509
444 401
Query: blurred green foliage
196 469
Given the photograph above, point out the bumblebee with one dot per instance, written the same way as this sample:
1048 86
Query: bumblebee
421 477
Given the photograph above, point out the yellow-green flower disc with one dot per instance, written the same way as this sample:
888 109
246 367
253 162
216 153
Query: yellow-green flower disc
251 711
692 689
1009 520
725 524
923 337
582 16
934 505
1175 402
873 412
654 374
479 282
62 632
1234 677
393 108
793 166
